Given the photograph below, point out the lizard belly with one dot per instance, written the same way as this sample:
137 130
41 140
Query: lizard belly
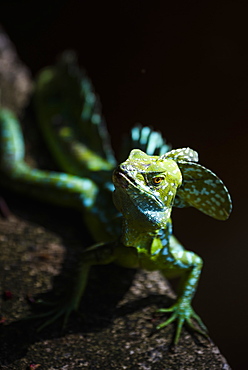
130 257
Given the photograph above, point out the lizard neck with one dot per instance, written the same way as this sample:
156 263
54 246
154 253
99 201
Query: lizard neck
139 238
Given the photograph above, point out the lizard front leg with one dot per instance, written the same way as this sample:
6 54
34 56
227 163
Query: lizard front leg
98 254
188 266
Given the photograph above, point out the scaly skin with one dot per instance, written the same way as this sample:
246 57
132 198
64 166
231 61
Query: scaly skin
146 187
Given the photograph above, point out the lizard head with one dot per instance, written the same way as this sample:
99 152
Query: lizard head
145 188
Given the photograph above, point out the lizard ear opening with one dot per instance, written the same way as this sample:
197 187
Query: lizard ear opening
203 190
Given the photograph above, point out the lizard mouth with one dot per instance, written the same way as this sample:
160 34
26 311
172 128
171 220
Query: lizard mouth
119 179
125 181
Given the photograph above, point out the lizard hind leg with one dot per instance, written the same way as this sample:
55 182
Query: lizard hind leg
70 118
16 174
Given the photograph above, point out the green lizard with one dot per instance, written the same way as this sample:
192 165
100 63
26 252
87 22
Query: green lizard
138 232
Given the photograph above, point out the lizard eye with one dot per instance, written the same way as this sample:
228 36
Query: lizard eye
157 180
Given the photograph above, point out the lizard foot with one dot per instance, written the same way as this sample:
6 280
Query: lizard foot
62 309
183 313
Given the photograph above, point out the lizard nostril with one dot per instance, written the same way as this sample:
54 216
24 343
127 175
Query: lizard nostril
123 167
126 168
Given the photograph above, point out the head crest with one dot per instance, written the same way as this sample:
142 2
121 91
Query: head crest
203 190
200 188
184 154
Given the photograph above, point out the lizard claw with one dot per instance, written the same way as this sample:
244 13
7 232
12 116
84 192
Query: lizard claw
55 314
183 313
60 309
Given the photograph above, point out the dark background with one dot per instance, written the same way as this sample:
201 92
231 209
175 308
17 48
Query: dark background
182 68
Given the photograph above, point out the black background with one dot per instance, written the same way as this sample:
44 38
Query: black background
182 68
